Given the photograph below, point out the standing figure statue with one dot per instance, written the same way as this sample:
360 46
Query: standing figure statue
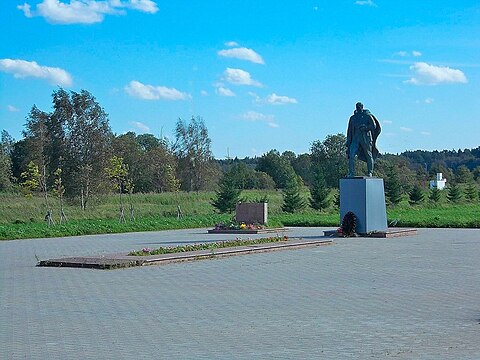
363 130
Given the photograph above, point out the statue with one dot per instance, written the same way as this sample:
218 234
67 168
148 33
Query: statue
363 130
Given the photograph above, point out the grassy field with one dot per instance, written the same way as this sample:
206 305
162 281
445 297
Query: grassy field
22 217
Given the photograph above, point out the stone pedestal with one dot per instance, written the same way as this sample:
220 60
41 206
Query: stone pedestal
365 197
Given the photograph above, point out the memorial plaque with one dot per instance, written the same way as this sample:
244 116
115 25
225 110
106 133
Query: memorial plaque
252 213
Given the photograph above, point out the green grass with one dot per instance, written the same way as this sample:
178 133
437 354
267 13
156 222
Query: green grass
442 216
17 208
22 218
106 226
447 216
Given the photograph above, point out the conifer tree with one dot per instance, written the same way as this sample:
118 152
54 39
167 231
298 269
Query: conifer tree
434 195
454 194
319 199
416 195
471 191
393 188
228 195
292 200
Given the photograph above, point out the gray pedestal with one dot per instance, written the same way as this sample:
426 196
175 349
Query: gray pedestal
365 197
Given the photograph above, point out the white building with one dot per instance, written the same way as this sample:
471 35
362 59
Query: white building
439 182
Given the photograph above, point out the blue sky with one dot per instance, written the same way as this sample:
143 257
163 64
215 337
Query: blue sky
262 74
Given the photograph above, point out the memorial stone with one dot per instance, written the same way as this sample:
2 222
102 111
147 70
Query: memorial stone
252 213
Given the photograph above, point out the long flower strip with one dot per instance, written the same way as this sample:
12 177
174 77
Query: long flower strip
215 245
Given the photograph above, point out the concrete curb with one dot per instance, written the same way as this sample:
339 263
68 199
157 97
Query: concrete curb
117 261
246 232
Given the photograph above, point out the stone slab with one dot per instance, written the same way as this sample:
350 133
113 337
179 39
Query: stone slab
251 213
246 232
390 233
117 261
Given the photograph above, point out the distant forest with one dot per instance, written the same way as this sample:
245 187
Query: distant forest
451 159
448 158
72 149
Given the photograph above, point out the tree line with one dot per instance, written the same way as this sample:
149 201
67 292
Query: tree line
76 137
71 151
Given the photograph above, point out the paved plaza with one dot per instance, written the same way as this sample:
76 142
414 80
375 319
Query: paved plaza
414 297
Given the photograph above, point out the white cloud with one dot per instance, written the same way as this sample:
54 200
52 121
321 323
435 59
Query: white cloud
204 93
75 12
140 126
223 91
231 43
12 108
426 74
426 133
256 98
23 69
26 10
275 99
272 99
239 77
147 6
429 100
256 116
387 122
149 92
403 53
406 129
365 3
85 11
242 54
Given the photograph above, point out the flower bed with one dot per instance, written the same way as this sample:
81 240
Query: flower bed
242 228
209 246
238 226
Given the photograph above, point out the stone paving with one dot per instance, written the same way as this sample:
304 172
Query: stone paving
412 297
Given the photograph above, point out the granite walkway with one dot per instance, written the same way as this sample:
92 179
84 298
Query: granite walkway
404 298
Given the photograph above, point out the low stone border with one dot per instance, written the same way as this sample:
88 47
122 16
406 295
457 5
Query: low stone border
247 232
117 261
390 233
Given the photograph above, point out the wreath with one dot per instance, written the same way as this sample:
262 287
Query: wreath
349 224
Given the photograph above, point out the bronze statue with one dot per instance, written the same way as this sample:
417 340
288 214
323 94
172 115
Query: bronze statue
363 130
